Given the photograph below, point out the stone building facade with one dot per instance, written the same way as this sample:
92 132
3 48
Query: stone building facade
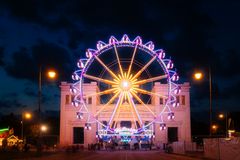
72 129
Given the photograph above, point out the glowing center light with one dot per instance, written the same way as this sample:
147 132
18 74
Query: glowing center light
125 85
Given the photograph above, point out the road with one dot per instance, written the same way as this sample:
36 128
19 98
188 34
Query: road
116 155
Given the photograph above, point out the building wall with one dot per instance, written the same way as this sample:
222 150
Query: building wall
68 118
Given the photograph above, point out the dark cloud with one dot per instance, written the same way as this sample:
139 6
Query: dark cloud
1 56
11 100
25 9
86 21
230 92
30 92
11 103
227 64
23 66
182 28
25 62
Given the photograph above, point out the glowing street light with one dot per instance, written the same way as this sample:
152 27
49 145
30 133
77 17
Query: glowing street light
214 127
199 76
43 128
222 116
51 74
25 115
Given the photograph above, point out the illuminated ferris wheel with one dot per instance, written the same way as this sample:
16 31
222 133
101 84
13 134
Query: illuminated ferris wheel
125 72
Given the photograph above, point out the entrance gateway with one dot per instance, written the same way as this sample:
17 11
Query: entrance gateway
126 90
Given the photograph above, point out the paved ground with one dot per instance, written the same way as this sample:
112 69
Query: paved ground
116 155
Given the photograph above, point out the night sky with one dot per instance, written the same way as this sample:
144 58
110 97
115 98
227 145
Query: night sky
196 34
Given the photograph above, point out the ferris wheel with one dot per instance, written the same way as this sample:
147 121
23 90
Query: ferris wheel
125 71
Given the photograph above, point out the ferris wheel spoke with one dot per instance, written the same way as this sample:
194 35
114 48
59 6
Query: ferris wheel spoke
139 100
100 79
119 102
106 67
143 68
134 119
119 63
150 79
109 102
134 107
117 118
130 66
132 111
148 92
107 91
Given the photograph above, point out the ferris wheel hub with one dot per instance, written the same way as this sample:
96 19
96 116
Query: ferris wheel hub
125 85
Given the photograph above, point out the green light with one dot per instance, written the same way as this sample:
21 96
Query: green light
4 129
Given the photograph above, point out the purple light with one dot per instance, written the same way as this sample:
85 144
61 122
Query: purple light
75 77
171 115
79 115
100 45
75 103
138 40
125 39
73 90
177 90
175 104
112 40
90 53
80 64
150 45
162 126
88 126
161 54
175 77
170 65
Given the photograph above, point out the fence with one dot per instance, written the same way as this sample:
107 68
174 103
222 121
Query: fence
222 148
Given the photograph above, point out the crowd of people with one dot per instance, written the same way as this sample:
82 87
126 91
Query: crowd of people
115 144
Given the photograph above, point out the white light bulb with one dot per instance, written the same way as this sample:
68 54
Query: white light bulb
125 84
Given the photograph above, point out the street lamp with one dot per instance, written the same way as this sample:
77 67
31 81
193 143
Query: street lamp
51 74
43 128
222 116
214 127
199 76
25 115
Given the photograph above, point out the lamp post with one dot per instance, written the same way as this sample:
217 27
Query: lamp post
51 74
199 76
25 115
222 116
